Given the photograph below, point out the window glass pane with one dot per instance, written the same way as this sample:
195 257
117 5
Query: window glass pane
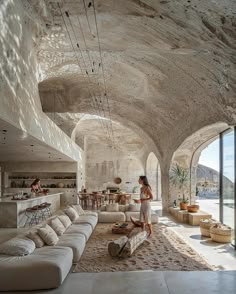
208 179
228 178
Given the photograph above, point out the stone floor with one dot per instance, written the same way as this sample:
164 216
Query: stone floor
146 282
221 256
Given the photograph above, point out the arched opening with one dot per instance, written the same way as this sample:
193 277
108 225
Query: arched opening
153 173
188 154
110 158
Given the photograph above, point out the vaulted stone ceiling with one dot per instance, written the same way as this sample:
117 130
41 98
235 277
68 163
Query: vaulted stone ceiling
169 66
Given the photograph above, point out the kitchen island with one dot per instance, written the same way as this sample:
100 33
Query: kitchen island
12 212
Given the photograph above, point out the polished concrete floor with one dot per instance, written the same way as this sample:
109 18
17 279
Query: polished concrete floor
222 256
145 282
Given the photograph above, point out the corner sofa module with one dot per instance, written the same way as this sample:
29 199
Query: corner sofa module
45 268
123 215
111 217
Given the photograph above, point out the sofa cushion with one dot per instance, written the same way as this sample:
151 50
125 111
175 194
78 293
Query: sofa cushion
45 268
48 235
72 213
123 208
85 229
134 214
57 226
76 242
65 220
134 207
34 236
103 208
113 207
111 217
78 208
17 246
87 219
93 213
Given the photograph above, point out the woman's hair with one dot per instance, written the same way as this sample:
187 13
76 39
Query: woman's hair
145 181
35 181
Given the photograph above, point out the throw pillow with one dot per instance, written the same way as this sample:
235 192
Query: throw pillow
78 208
103 208
57 226
17 246
65 220
38 241
72 213
123 208
135 207
114 207
48 235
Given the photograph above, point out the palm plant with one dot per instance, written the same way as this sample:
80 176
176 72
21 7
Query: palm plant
179 177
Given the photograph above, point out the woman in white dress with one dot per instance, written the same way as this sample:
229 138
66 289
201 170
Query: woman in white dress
145 199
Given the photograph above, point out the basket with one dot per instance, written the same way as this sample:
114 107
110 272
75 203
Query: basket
205 225
221 233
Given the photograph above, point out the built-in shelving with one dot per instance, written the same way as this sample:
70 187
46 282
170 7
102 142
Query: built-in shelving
47 180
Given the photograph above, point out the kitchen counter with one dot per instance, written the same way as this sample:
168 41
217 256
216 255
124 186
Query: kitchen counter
12 212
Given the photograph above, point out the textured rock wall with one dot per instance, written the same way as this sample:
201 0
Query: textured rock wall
20 72
169 69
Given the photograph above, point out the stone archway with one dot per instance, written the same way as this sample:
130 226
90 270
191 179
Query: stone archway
188 153
153 173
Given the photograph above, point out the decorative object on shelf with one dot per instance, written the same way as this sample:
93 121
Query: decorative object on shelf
60 185
117 180
174 204
221 233
179 177
205 225
193 208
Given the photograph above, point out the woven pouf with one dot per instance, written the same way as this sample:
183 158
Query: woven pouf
205 225
221 233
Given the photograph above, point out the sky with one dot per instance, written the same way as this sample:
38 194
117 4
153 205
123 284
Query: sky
210 156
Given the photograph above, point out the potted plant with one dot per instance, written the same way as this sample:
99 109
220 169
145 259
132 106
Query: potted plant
179 177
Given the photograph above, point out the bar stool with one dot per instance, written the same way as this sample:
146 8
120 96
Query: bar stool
32 214
46 209
42 211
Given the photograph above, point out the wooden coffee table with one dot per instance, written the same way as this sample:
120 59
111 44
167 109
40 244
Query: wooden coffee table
122 230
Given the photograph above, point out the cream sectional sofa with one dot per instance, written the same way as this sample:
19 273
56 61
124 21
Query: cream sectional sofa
111 213
48 266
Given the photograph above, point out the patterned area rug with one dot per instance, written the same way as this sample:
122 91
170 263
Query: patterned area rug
165 251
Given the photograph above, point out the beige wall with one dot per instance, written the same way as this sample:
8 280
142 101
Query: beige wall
103 165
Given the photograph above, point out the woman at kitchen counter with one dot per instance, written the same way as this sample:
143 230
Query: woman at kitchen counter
35 186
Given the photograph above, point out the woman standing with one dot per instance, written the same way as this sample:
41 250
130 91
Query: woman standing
35 186
145 198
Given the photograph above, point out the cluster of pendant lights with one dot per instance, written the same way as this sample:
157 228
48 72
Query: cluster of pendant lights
89 71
